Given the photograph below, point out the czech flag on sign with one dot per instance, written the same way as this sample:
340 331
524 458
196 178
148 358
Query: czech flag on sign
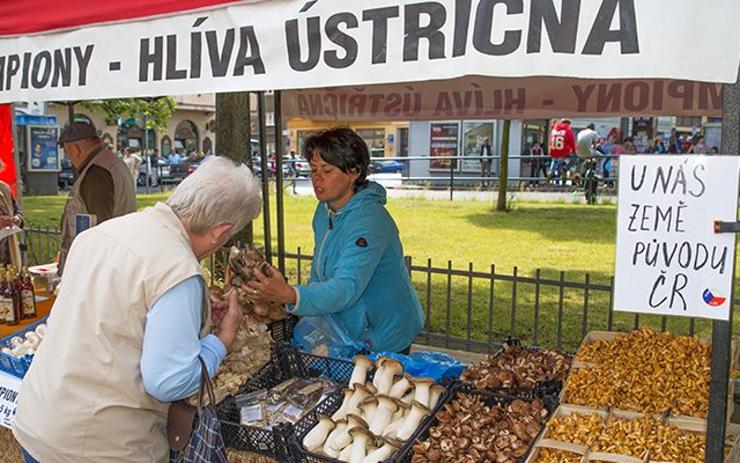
711 299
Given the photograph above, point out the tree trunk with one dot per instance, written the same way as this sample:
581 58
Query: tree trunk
504 167
233 137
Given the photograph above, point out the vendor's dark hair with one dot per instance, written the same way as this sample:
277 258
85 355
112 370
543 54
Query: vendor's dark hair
342 148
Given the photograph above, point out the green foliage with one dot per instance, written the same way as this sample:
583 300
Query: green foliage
158 110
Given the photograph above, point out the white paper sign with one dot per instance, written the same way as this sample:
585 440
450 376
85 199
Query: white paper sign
669 260
9 387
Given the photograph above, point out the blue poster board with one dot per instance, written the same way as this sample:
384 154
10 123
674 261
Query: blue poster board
43 152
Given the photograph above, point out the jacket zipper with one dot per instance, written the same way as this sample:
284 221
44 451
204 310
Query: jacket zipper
319 261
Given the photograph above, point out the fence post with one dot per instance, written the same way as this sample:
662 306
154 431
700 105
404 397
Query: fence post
469 324
536 337
429 299
491 298
448 319
452 179
512 331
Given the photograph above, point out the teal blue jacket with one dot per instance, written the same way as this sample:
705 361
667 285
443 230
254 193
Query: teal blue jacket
358 274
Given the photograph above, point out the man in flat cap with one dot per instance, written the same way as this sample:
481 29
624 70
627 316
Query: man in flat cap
103 188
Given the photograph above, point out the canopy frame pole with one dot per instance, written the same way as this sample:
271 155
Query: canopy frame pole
265 175
722 329
278 123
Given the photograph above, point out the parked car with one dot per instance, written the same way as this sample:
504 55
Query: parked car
302 167
66 176
157 174
386 167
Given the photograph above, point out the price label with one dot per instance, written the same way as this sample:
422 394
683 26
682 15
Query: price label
9 387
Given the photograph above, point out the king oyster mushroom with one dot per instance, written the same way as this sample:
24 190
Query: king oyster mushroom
388 369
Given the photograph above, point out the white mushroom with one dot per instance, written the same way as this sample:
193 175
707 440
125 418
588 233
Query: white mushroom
388 369
7 351
403 409
41 330
340 438
434 394
341 427
369 406
400 387
421 388
392 429
345 454
360 439
388 448
361 393
408 398
316 437
344 409
359 373
16 341
411 422
387 406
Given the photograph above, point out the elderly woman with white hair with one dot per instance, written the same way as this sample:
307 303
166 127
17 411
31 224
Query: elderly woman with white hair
132 317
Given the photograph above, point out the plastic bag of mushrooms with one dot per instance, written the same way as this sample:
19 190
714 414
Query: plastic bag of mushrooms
377 416
252 344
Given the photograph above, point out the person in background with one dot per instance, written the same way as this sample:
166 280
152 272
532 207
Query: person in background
562 145
174 157
103 187
697 145
10 216
132 161
359 279
629 146
486 162
537 165
586 142
674 143
713 150
130 323
659 146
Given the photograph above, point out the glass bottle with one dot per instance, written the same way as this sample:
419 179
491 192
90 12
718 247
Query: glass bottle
11 301
6 306
28 296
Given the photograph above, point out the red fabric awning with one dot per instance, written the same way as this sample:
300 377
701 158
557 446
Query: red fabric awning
29 16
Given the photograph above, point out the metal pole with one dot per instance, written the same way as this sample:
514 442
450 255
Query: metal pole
18 183
146 158
265 174
722 329
279 180
71 111
452 179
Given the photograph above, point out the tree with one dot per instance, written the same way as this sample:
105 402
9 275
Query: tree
156 110
504 168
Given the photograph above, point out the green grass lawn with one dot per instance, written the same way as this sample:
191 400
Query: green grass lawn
551 237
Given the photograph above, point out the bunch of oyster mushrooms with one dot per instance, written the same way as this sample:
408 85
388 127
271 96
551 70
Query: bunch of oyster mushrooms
252 344
376 417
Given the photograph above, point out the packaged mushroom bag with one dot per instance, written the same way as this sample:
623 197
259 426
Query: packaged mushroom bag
252 344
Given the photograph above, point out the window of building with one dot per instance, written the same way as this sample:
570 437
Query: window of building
186 134
375 141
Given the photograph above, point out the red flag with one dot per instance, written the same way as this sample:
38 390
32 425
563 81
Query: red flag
7 161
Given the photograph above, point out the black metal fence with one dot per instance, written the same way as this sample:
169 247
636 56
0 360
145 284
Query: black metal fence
474 309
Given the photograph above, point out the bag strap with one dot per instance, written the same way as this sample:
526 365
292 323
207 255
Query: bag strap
205 383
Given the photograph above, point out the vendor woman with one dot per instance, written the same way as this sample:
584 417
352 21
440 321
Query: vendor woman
358 275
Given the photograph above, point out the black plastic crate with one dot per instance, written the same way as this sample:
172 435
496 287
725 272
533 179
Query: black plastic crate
330 405
490 398
282 330
286 363
540 390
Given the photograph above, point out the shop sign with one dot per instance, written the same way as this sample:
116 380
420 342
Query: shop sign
669 259
9 387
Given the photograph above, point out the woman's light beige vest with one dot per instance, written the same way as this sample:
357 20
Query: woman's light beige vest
124 198
83 399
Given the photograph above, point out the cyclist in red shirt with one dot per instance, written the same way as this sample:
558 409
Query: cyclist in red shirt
562 144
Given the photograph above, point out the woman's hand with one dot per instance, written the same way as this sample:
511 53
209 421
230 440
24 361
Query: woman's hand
272 288
229 315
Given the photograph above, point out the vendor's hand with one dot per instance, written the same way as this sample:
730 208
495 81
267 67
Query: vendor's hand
230 320
6 221
271 288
